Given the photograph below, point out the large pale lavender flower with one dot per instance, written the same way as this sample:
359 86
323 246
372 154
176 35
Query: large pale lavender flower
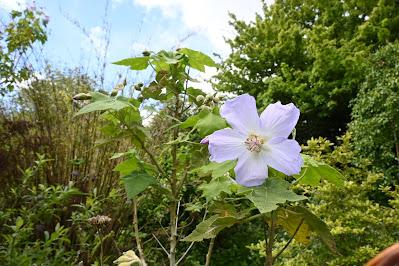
257 142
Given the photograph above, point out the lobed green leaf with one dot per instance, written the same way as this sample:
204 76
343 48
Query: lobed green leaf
210 228
136 63
274 191
198 60
314 171
136 182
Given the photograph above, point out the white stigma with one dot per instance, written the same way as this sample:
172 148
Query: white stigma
254 143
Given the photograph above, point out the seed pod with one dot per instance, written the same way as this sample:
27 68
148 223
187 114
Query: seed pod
82 96
146 53
200 98
138 86
204 107
114 92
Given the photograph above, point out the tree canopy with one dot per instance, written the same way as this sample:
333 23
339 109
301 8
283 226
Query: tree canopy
312 53
17 37
375 115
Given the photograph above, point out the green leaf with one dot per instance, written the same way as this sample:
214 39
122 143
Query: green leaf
216 169
121 154
136 63
210 228
109 104
290 221
190 122
215 187
128 166
226 209
313 171
130 116
154 91
19 222
209 122
193 93
272 192
98 96
317 226
197 59
137 182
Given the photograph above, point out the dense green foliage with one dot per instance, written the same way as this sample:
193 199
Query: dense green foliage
312 53
375 115
17 37
86 179
40 120
359 222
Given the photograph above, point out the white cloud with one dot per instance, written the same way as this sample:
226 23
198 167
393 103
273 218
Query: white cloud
9 5
209 17
204 79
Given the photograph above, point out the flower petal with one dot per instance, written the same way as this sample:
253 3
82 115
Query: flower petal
251 169
241 113
226 144
278 120
284 155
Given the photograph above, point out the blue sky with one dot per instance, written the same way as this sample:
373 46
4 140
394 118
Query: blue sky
134 25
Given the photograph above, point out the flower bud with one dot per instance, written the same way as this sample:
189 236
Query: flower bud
208 98
99 220
128 258
216 99
204 107
138 86
114 92
82 96
205 140
200 98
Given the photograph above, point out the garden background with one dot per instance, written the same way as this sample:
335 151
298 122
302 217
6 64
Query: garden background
337 61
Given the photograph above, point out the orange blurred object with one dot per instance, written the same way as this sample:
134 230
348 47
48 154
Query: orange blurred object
387 257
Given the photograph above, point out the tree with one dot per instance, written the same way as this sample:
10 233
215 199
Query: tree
312 53
16 39
375 115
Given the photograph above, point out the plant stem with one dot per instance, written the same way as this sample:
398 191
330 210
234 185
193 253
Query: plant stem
101 247
270 240
209 254
290 240
174 189
136 232
150 154
395 137
173 233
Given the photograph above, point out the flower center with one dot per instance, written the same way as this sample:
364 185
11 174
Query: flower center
254 142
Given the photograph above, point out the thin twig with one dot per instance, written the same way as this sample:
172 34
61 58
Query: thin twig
177 216
136 232
209 254
289 241
185 253
167 253
269 246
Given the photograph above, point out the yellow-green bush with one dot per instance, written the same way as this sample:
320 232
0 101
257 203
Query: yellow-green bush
362 216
